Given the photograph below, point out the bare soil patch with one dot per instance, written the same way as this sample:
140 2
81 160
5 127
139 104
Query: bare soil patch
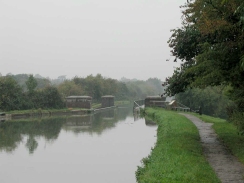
226 166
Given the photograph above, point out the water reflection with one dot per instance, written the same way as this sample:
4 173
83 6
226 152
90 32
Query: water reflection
12 132
105 147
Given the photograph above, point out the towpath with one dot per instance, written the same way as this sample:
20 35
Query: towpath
226 166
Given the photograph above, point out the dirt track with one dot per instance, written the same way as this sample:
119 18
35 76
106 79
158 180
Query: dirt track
226 166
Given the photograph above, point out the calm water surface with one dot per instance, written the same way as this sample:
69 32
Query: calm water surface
105 147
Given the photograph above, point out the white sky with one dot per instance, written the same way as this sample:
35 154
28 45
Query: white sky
126 38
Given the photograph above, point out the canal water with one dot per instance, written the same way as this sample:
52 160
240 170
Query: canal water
105 147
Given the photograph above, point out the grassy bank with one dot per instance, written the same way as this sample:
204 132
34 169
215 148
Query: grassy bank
228 134
38 111
177 155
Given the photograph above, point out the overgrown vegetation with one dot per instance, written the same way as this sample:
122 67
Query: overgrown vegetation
177 155
210 45
212 100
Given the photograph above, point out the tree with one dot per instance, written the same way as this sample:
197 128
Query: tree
155 84
211 99
97 86
31 84
10 94
210 45
51 98
68 88
122 91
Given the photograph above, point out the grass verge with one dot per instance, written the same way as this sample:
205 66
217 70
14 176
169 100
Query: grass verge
228 133
36 111
177 155
122 102
30 111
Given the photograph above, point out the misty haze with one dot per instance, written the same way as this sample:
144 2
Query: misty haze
74 76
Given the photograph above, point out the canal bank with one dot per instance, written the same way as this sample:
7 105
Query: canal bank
57 112
177 155
43 113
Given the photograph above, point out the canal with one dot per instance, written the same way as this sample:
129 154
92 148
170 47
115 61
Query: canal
105 147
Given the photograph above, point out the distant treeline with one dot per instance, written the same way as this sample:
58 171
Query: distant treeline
23 91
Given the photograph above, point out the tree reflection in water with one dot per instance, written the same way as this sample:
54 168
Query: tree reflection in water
13 132
31 144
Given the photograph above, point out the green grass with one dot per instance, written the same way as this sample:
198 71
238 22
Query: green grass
96 105
116 103
209 119
122 102
228 134
36 111
177 156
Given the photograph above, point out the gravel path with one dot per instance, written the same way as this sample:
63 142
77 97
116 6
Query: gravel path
226 166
